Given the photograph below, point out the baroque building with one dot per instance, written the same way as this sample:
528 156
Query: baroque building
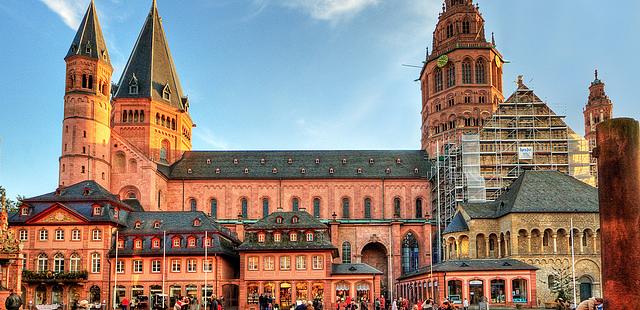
599 108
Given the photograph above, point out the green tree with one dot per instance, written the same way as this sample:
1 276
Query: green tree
12 205
561 282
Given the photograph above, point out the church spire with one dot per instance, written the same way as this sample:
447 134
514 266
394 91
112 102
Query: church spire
150 71
89 41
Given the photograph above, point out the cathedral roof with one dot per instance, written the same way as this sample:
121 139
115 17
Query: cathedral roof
545 191
89 40
151 68
300 165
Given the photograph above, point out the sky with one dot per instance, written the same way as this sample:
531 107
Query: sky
301 74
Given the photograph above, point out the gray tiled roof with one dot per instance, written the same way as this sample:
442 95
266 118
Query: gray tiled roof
472 265
353 269
82 191
305 221
151 66
89 35
457 224
539 192
301 165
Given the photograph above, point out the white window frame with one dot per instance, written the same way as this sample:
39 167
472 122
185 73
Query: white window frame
96 235
59 235
120 266
155 243
285 262
268 263
138 266
74 263
96 263
176 265
317 262
301 262
261 237
175 242
75 235
43 263
252 263
58 263
192 265
293 237
43 235
207 265
309 236
277 237
24 235
155 266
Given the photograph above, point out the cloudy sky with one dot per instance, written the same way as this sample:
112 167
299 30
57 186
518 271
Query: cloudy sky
301 74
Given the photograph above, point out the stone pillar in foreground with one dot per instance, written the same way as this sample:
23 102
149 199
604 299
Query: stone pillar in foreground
618 155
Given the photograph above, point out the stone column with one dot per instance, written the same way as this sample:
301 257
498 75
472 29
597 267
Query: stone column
595 242
457 248
555 243
580 236
486 247
618 154
529 244
499 248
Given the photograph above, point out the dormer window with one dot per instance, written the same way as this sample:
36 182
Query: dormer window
262 161
235 161
290 161
279 220
331 170
116 213
87 48
293 236
344 161
97 210
261 237
166 92
317 161
120 244
207 242
155 243
359 171
398 161
217 170
137 244
156 224
86 191
274 170
294 220
24 211
191 242
309 236
246 170
277 237
371 161
387 171
208 161
416 170
133 85
189 171
137 225
303 170
175 242
196 223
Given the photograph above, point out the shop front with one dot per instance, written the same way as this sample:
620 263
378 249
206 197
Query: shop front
285 300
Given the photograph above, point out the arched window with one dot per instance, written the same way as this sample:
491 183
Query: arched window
214 208
437 79
466 27
419 208
346 252
141 116
451 75
58 263
295 204
480 72
74 263
316 207
164 150
466 72
124 116
193 204
265 207
84 81
245 208
396 207
136 116
90 86
345 208
157 119
449 30
410 253
367 208
43 262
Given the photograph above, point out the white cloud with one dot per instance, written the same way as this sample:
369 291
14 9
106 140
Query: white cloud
209 139
329 9
71 11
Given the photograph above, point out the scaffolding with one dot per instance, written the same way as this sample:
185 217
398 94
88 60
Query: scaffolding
523 134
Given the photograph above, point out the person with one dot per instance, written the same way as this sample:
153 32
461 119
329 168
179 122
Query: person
394 305
427 305
465 304
446 305
124 303
301 306
13 302
589 304
383 301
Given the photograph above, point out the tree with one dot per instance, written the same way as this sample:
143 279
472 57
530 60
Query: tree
12 205
561 282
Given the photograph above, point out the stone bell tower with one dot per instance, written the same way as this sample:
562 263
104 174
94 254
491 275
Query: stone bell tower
85 128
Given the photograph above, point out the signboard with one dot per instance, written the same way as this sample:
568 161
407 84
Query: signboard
475 282
525 152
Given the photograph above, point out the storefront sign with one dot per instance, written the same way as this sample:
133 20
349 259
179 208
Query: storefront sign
475 282
525 152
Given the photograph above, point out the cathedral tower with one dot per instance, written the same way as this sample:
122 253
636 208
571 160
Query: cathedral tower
150 109
85 128
599 108
461 79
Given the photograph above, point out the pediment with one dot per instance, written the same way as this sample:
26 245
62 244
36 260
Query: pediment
56 214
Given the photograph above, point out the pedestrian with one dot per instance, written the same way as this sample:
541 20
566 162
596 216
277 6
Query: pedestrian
465 304
427 305
13 302
589 304
124 303
383 303
394 305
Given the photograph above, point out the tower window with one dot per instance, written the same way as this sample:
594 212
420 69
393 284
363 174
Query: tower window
90 86
87 49
466 27
451 76
480 72
449 31
166 92
82 169
466 72
133 89
438 79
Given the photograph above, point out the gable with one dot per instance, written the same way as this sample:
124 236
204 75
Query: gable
57 214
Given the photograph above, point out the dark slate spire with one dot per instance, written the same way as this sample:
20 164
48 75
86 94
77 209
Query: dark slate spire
89 40
150 68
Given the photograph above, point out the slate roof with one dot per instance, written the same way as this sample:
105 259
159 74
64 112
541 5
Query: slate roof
300 165
151 66
88 190
306 222
457 224
175 223
539 192
89 34
83 210
472 265
353 269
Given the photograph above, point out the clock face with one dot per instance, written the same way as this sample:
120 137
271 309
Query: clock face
498 61
442 61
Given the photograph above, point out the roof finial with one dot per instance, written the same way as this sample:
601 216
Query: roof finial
493 39
519 81
427 52
596 74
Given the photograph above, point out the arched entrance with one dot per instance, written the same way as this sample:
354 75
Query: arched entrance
375 254
586 287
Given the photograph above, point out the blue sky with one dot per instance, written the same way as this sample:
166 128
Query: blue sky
301 74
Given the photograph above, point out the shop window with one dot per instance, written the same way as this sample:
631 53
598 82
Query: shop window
498 291
519 290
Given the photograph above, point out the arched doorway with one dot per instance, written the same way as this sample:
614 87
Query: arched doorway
586 287
375 255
